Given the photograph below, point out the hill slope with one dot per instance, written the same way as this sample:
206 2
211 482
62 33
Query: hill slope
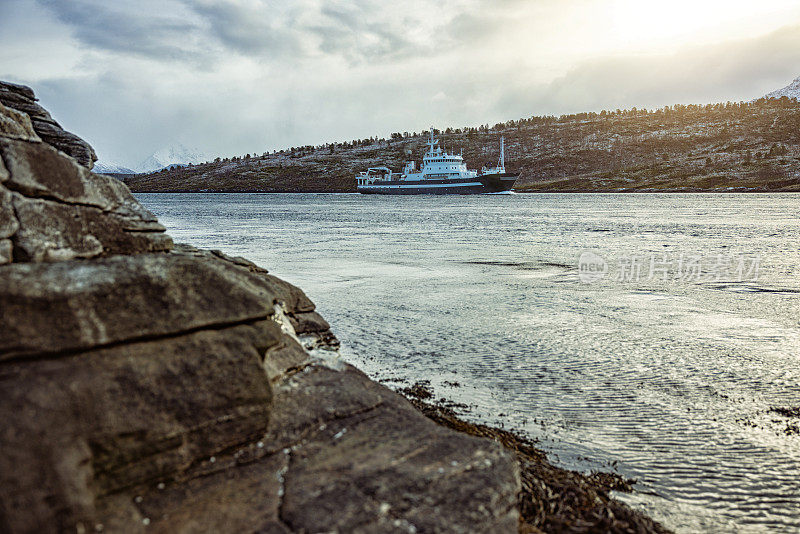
717 147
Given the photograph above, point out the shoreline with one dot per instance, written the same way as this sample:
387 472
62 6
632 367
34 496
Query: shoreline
552 498
527 192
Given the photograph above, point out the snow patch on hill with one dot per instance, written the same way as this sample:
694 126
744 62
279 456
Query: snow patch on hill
792 91
111 168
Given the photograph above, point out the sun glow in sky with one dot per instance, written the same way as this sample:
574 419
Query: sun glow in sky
237 76
648 26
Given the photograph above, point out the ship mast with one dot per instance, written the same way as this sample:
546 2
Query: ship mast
501 163
432 143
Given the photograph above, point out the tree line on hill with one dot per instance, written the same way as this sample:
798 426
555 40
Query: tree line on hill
626 148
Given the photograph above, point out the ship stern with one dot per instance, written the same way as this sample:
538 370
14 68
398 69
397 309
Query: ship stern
497 183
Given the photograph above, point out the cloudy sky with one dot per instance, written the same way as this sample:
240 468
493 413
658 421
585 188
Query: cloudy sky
237 76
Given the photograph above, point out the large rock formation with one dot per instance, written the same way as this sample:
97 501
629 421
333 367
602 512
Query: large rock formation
21 98
153 387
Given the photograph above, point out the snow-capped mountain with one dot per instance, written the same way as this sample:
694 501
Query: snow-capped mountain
173 155
111 168
792 91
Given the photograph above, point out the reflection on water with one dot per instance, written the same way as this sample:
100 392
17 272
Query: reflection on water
666 381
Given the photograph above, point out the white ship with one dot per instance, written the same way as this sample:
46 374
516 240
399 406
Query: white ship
441 174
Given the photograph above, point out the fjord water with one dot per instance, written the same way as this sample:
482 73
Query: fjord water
668 378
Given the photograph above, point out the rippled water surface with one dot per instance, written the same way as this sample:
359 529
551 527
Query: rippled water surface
658 373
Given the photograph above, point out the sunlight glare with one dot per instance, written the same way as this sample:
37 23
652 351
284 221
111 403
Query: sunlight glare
659 25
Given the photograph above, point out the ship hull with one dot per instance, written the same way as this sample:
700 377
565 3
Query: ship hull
490 183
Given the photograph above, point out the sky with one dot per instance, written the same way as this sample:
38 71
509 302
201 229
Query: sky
230 77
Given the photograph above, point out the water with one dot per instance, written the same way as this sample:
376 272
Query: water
665 379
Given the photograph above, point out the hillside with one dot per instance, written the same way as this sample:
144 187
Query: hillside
745 146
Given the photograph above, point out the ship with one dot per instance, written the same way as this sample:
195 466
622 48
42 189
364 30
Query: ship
441 174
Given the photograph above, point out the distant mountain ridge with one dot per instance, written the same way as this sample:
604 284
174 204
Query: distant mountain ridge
792 91
176 155
111 168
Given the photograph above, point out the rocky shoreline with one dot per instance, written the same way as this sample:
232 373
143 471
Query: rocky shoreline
551 499
155 387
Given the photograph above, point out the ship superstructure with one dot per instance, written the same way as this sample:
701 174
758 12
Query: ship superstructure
441 173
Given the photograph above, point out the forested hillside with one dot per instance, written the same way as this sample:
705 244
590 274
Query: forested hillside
715 147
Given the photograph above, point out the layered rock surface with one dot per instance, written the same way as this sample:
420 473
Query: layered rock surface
148 386
21 98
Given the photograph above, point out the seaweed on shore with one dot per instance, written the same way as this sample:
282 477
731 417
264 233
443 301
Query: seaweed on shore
420 390
552 499
792 429
786 412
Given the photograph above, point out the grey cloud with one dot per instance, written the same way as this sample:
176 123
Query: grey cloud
250 31
98 24
478 25
357 31
354 34
488 19
360 32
